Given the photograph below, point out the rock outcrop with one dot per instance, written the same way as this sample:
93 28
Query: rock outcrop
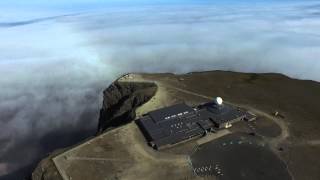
120 101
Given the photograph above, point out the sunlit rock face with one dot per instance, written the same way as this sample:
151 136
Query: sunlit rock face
55 59
120 101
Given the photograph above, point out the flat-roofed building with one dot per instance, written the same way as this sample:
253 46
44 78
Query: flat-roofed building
180 122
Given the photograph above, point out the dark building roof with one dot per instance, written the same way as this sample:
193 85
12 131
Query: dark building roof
170 112
171 125
221 114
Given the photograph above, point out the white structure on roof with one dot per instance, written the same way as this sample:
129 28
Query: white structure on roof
218 101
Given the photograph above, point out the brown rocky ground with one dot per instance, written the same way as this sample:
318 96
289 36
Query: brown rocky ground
297 102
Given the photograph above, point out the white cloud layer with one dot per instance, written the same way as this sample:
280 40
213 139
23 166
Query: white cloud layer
282 39
53 68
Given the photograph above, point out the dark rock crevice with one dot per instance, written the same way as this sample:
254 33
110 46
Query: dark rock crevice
120 101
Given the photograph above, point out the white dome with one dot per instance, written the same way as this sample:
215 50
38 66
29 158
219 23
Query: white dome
218 101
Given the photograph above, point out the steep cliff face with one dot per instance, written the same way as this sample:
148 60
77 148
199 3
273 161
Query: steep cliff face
120 101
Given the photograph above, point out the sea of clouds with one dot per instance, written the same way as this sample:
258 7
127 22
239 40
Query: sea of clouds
54 65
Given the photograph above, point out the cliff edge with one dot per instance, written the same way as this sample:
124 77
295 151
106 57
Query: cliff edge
294 102
120 101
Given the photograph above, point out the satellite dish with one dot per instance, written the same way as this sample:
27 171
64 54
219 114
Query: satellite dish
218 101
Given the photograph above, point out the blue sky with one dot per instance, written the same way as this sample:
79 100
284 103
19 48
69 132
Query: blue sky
80 3
83 4
65 6
42 7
